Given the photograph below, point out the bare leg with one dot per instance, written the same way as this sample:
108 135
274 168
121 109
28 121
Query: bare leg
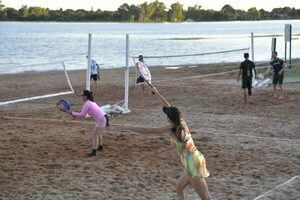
280 91
95 139
99 133
250 96
95 142
250 100
245 96
201 187
183 181
274 91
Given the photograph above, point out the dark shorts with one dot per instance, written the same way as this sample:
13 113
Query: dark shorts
140 80
278 79
107 120
247 83
94 77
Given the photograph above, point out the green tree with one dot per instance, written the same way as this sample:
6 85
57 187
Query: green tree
176 13
123 12
134 12
160 13
38 13
11 13
228 12
253 14
194 13
146 11
81 14
241 15
264 14
23 13
56 15
2 13
70 15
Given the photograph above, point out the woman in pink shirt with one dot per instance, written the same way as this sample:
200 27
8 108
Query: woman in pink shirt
93 110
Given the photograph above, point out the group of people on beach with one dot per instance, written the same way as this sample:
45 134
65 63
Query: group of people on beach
193 162
247 68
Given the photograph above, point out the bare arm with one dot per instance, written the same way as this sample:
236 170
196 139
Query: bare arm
144 130
255 75
283 68
239 74
161 98
268 71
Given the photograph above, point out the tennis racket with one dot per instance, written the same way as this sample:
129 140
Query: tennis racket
63 105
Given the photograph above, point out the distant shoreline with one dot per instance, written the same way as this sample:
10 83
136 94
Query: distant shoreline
149 22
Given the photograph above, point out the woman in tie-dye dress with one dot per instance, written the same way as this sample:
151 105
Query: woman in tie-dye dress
193 161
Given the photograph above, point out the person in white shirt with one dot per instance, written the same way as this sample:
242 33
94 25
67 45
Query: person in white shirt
143 74
95 71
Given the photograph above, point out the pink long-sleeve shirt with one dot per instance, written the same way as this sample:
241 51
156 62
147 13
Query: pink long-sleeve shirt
92 109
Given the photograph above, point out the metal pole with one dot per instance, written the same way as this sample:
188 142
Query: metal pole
285 47
88 69
290 58
252 46
126 110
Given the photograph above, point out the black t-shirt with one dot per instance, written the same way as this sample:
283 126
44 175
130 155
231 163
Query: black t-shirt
247 67
277 65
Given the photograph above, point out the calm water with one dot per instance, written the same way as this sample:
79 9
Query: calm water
24 44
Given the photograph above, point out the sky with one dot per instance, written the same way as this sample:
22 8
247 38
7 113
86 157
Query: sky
114 4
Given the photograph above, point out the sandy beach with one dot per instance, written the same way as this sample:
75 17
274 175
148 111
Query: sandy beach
250 149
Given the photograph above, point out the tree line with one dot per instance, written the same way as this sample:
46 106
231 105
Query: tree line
155 11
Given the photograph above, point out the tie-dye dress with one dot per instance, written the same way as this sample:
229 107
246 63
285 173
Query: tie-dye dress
192 160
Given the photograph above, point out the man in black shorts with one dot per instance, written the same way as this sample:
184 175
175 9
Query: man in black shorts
278 66
246 69
95 71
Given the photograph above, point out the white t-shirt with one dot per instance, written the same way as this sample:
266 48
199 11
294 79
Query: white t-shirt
93 67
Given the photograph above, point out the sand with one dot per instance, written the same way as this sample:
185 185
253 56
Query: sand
250 149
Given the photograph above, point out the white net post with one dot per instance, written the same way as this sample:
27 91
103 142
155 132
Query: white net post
67 76
252 47
88 69
126 110
252 57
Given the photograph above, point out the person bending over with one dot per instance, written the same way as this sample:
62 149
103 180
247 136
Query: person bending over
93 110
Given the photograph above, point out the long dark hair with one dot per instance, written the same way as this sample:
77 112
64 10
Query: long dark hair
174 116
89 95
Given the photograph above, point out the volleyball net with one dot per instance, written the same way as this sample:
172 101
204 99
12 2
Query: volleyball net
34 81
188 59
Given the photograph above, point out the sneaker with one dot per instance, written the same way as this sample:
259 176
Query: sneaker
93 153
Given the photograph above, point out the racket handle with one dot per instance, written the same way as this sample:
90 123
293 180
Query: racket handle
149 84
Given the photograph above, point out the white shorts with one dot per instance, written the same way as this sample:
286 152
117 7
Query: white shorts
101 123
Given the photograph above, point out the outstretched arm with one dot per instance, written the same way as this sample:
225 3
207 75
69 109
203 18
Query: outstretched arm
268 71
161 98
83 111
145 130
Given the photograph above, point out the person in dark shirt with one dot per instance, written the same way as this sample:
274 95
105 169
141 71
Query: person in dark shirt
246 69
278 66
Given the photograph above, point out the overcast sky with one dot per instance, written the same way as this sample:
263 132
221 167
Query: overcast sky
114 4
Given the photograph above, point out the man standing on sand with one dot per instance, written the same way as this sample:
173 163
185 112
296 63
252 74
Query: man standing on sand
278 66
246 69
143 74
95 71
